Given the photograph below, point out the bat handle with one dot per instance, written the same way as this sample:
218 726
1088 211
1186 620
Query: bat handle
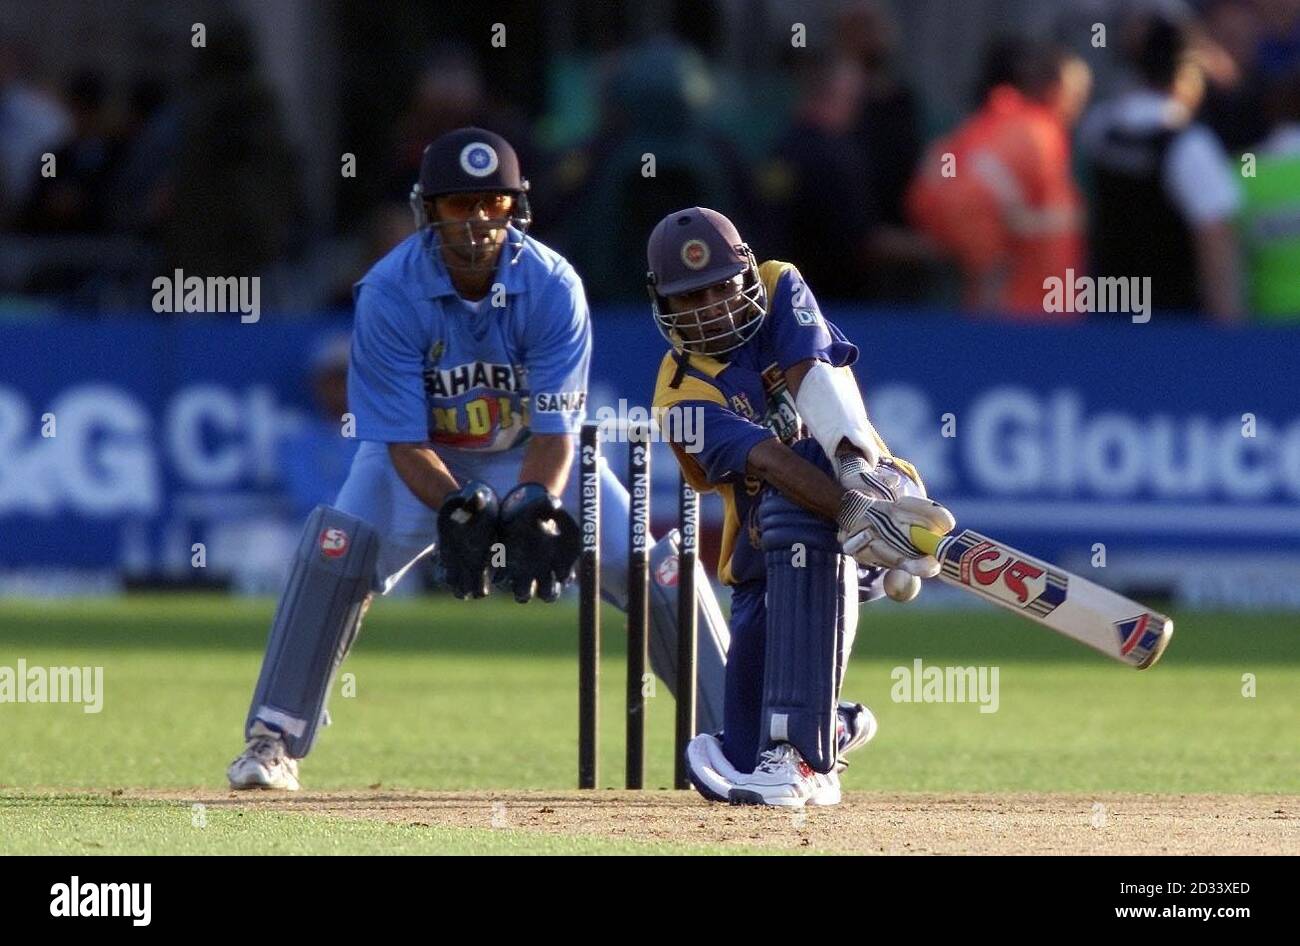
925 540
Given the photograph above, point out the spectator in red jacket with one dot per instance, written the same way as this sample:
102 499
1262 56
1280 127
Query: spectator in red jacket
997 193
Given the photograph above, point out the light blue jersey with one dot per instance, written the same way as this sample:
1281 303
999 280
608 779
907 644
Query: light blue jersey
472 380
428 366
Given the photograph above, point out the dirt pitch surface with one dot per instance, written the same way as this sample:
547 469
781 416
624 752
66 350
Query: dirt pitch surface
865 823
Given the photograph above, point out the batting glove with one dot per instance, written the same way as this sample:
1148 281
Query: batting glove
877 532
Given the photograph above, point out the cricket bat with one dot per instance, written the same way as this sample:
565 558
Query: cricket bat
1090 614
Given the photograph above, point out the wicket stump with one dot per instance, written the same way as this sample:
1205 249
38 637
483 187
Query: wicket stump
638 611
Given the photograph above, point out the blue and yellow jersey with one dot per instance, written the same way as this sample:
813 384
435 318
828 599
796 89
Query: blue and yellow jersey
745 400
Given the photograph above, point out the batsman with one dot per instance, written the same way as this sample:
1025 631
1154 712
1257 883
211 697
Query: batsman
467 383
810 492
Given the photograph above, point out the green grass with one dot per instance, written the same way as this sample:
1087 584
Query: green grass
453 695
72 824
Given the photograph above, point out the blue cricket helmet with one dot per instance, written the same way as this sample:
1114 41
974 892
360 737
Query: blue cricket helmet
470 160
693 249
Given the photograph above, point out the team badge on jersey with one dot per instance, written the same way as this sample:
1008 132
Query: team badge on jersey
695 254
478 159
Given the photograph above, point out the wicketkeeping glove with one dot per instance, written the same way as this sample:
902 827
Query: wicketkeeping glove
467 529
541 541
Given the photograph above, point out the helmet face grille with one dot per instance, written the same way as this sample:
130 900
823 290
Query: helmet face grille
464 253
718 327
466 250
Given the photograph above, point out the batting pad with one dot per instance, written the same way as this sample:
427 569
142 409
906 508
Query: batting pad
806 624
315 624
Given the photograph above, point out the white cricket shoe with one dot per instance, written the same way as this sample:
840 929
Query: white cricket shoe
714 777
855 727
710 772
264 763
828 790
783 778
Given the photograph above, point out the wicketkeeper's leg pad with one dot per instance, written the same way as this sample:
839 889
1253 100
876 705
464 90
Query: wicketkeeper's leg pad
315 624
714 637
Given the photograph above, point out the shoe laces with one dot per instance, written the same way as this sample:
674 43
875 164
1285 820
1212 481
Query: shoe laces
267 749
776 758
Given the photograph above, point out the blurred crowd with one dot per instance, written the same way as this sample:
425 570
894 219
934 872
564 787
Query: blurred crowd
1186 171
113 186
1188 176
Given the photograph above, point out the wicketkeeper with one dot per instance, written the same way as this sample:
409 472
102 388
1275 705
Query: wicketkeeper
467 381
810 492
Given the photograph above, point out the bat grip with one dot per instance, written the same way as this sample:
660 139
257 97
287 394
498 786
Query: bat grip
925 540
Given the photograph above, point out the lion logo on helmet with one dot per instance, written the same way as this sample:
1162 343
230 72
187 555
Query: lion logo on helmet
695 254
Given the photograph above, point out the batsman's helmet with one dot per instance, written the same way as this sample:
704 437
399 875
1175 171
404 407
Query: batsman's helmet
470 160
690 250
